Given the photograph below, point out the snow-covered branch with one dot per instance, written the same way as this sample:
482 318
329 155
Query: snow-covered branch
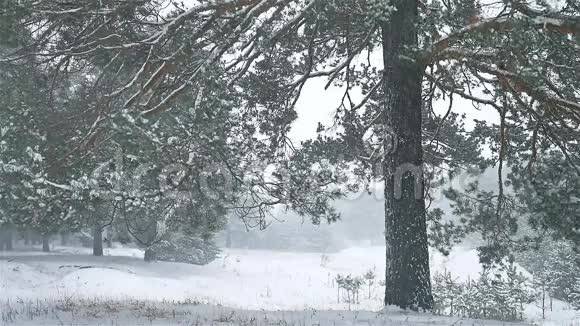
552 22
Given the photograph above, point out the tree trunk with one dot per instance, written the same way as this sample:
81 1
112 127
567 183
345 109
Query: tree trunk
348 298
408 283
149 255
451 307
110 236
2 236
8 238
37 238
543 303
64 239
45 243
97 241
121 231
26 236
228 237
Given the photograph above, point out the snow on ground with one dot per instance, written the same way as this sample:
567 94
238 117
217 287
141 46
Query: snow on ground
258 279
240 279
99 312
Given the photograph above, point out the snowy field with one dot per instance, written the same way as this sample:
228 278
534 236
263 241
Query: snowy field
69 286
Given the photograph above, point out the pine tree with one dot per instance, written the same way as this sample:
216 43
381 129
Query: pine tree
500 294
467 299
370 276
518 292
554 267
350 284
521 59
575 293
446 293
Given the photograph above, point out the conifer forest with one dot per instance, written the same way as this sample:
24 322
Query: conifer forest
290 162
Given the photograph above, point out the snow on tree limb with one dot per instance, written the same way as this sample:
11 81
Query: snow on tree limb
549 22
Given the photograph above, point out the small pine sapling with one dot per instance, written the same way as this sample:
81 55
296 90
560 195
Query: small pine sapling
369 276
339 284
352 286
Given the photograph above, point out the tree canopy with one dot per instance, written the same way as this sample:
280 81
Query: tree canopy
227 76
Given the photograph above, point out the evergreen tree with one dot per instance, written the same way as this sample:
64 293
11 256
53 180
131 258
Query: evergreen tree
519 59
554 267
30 140
370 276
575 293
446 293
501 294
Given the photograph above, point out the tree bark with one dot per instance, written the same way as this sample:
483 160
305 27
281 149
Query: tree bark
149 255
228 237
2 237
543 303
36 238
97 241
408 283
9 237
110 236
64 239
26 236
46 243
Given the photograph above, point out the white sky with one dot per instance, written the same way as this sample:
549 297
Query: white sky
319 105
